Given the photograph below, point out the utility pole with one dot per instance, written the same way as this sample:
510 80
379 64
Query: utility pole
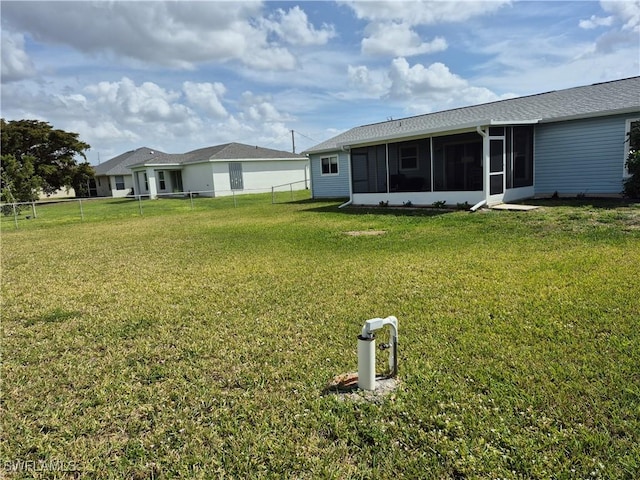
293 142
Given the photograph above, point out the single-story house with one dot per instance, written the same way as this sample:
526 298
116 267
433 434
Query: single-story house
565 142
113 178
220 170
65 192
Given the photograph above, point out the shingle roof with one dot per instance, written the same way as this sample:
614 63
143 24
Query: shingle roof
579 102
159 158
119 165
224 152
237 151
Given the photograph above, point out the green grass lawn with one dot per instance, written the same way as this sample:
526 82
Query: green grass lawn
196 341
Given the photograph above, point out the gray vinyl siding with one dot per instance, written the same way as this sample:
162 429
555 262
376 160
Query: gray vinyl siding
580 156
330 186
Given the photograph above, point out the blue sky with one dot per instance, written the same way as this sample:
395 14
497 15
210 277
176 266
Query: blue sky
176 76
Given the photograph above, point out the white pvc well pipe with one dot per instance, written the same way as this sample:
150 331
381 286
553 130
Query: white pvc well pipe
367 351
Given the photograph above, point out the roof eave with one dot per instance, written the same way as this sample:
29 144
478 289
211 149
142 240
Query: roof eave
321 150
513 122
604 113
144 165
265 159
469 126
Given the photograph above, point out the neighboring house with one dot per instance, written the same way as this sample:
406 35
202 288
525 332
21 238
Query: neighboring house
568 142
220 170
66 192
113 178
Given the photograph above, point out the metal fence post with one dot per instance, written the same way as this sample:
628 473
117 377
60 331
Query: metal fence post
233 192
33 209
191 198
273 198
81 211
15 215
140 204
291 188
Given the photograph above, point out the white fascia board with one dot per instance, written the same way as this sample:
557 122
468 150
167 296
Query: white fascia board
140 166
471 126
321 151
224 160
502 123
453 129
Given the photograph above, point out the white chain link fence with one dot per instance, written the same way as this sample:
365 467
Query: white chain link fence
96 208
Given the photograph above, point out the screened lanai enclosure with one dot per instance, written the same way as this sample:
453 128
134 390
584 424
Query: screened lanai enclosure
449 163
563 142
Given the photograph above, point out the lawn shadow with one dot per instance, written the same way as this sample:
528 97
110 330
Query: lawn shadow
593 202
122 200
412 211
53 316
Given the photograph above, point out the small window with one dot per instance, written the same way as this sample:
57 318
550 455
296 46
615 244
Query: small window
163 184
119 182
329 165
409 158
146 181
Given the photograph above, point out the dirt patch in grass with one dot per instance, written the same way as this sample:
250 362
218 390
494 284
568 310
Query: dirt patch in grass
359 233
345 386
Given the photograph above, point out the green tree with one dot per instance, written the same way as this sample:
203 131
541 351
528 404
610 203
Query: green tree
80 179
37 156
632 184
18 180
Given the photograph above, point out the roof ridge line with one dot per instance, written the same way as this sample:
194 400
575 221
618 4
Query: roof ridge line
498 101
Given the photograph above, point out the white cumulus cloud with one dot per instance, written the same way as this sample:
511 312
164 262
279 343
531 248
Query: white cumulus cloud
623 23
367 82
424 12
260 109
433 87
102 131
143 103
595 22
391 23
175 34
207 96
628 12
294 28
398 39
418 88
409 80
16 64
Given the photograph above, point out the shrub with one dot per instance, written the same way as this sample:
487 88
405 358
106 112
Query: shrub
632 184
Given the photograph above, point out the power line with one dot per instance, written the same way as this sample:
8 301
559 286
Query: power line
292 132
307 137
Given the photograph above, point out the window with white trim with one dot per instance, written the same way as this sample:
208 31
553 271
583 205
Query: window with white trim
409 157
161 180
329 165
119 182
